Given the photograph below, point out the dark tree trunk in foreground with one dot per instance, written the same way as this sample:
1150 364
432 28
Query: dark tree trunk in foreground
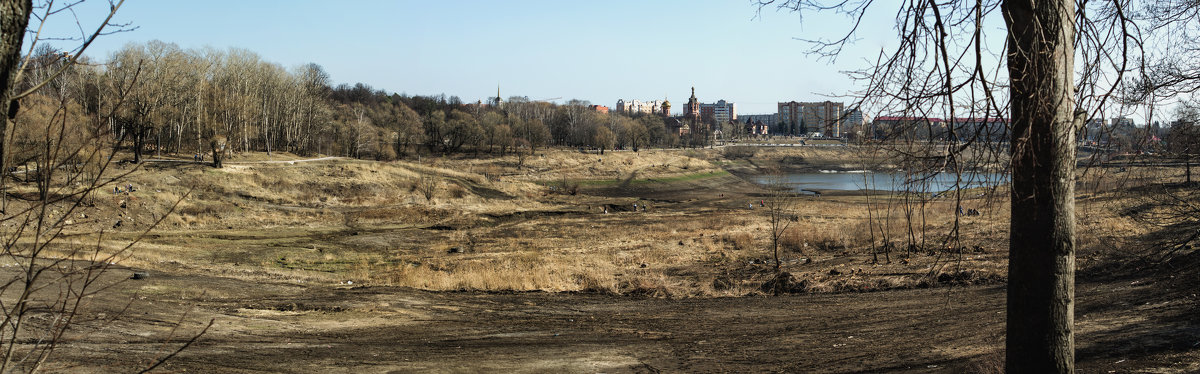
14 17
1041 269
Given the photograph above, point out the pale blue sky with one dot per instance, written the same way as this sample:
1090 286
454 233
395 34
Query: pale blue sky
596 51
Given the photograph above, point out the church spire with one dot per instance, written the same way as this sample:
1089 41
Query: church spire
692 110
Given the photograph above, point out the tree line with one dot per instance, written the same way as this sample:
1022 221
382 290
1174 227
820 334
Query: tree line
156 98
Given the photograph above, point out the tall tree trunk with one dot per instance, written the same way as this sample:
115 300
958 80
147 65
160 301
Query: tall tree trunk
218 143
1041 269
139 138
1187 167
14 17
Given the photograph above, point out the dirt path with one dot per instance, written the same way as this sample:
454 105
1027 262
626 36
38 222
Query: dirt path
289 162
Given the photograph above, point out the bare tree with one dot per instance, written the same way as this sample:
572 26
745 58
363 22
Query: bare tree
218 144
14 16
534 132
603 138
1183 138
780 204
427 185
490 123
408 128
1041 263
45 296
943 64
518 144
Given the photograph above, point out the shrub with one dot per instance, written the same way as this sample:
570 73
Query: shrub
385 152
427 186
802 238
457 191
739 240
197 210
794 239
565 187
740 151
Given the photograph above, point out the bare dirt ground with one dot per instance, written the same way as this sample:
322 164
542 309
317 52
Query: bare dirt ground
1125 326
343 266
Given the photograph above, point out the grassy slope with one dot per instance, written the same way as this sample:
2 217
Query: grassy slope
494 226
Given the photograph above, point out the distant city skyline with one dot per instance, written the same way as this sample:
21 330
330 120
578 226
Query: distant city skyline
599 52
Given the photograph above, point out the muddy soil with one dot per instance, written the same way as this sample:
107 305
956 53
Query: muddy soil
1125 325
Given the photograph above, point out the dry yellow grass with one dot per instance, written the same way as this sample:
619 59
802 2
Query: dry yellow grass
556 164
360 221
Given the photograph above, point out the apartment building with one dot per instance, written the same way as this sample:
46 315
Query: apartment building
638 106
825 117
721 111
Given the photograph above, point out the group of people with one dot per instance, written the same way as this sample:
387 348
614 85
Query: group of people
128 188
604 208
199 157
969 212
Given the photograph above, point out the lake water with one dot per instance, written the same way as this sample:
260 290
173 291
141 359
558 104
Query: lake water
884 181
